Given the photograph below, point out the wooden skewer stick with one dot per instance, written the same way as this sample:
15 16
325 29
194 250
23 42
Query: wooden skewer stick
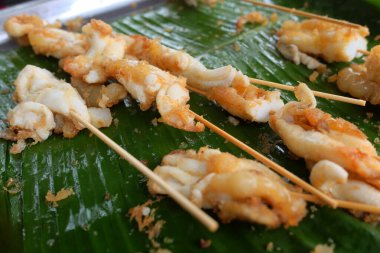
341 203
365 52
305 14
279 169
203 93
190 207
292 88
316 93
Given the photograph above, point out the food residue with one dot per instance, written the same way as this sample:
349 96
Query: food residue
254 17
75 24
61 195
12 186
332 79
233 120
273 17
270 246
144 215
313 76
323 248
236 47
204 243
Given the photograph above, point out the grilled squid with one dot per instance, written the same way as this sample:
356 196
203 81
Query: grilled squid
315 135
46 39
334 180
39 85
247 101
105 46
148 84
28 120
331 42
363 81
235 188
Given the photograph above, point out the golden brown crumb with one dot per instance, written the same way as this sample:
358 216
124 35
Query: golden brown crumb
233 120
273 17
75 24
252 17
145 218
205 243
5 91
313 76
154 122
116 122
168 29
332 79
369 115
236 47
133 5
138 213
156 229
61 195
323 248
270 246
12 186
377 37
160 251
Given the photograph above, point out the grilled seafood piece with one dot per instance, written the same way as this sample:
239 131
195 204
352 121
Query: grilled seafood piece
334 180
148 84
315 135
363 81
28 120
105 46
235 188
46 39
248 102
331 42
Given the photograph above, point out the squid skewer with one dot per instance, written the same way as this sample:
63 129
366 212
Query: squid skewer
196 212
344 163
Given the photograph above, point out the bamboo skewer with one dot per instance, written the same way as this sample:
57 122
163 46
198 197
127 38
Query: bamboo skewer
305 14
341 203
292 88
316 93
365 52
186 204
279 169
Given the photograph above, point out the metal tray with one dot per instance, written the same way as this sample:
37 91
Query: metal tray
63 10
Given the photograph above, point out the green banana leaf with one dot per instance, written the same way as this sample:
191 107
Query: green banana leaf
96 219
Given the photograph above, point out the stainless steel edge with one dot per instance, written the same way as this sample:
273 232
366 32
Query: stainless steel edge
64 10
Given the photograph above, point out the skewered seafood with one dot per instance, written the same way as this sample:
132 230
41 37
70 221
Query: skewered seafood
28 120
236 188
38 85
144 82
292 53
323 39
98 95
148 84
331 178
249 102
314 135
362 81
104 47
252 17
46 39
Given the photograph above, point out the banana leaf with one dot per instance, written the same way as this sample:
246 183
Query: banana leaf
96 218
